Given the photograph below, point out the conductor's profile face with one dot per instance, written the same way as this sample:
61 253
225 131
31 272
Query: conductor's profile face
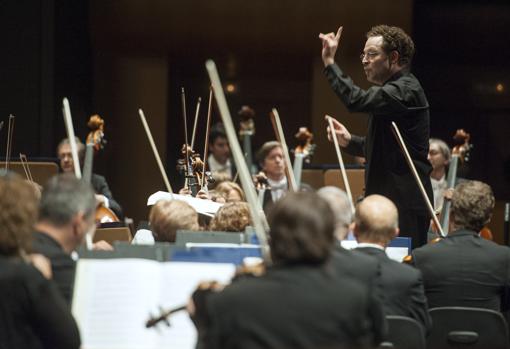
376 62
66 158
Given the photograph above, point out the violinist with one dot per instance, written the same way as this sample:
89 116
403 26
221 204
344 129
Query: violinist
103 193
218 161
32 312
397 96
439 157
300 302
375 225
464 269
66 215
270 158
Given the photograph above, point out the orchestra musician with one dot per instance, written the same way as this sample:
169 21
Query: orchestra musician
299 302
375 225
218 161
66 215
32 312
396 96
439 156
103 193
270 158
465 269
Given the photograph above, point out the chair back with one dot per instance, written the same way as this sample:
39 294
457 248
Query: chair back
463 327
404 333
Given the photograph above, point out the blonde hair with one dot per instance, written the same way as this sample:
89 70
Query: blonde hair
233 217
166 217
224 188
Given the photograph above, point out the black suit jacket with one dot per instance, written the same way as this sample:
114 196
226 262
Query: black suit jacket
62 266
465 270
402 100
293 307
401 286
350 264
101 187
32 313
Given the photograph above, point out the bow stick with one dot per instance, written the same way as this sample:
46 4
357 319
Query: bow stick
195 123
155 151
280 137
72 138
259 219
10 131
400 141
207 130
340 162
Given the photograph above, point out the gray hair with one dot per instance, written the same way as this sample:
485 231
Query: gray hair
80 147
341 207
443 147
63 197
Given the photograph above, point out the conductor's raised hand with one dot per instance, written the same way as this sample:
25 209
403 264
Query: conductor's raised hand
342 134
329 46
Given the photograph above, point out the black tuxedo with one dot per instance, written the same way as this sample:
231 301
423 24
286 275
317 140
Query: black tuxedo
101 187
299 306
401 286
400 99
62 266
364 269
32 313
465 270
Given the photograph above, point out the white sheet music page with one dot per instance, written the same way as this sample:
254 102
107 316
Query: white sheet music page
114 298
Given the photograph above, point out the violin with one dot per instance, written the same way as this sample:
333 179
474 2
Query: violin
303 151
95 141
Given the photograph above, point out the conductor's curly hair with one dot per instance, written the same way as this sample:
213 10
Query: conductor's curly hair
395 39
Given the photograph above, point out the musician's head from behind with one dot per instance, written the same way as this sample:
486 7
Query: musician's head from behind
65 155
472 205
218 144
166 217
18 207
67 210
376 220
231 217
339 203
439 154
230 191
302 229
387 51
270 158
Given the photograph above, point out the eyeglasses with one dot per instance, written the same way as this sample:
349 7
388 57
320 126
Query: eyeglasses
369 55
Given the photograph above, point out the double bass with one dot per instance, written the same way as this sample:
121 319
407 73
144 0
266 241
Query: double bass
96 141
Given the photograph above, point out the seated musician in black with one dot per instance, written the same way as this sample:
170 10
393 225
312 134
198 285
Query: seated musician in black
375 225
219 161
299 302
103 193
66 214
32 312
464 269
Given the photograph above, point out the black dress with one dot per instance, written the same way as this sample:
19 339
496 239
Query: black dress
32 312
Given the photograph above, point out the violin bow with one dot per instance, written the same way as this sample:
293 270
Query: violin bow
72 138
183 99
24 163
280 137
400 141
207 130
195 123
341 162
10 131
155 151
259 219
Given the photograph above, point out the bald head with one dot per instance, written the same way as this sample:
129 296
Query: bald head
376 220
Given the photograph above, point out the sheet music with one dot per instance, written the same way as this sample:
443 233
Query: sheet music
207 207
114 298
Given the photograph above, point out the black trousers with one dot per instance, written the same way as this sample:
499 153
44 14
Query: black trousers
414 224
